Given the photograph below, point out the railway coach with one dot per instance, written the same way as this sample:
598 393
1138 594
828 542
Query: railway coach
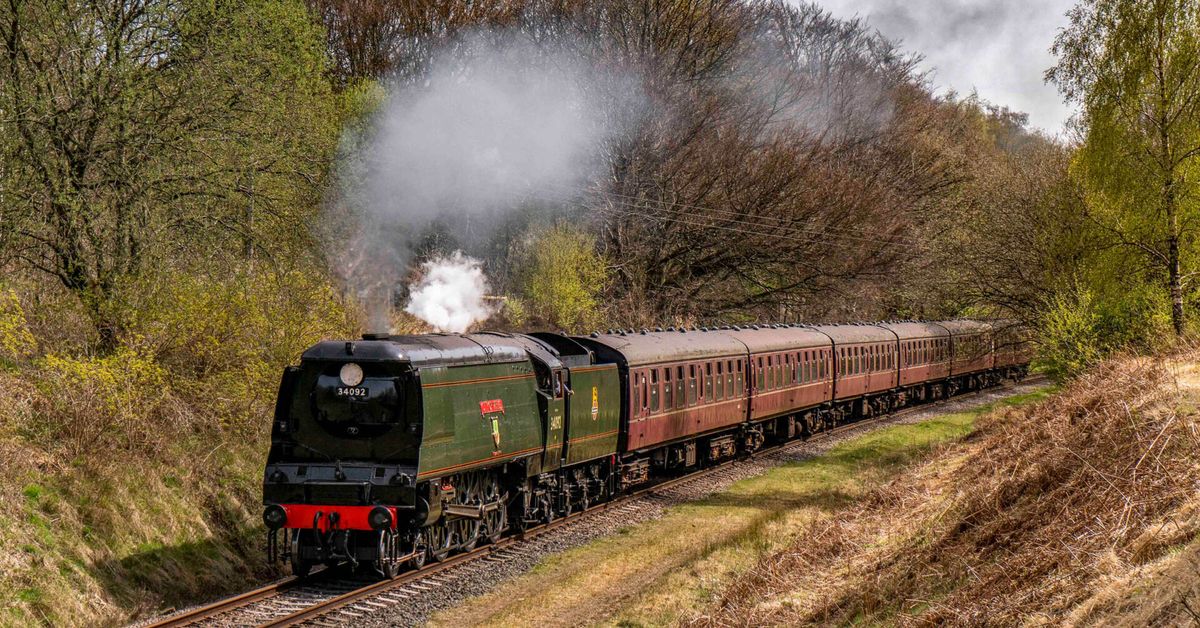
395 449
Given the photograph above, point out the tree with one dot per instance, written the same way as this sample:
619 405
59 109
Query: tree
1134 66
559 276
137 133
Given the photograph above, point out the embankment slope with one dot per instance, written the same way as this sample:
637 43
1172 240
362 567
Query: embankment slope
1079 510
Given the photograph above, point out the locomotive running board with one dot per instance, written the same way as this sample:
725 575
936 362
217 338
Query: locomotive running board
471 512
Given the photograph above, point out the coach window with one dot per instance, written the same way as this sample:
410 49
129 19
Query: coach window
720 391
739 380
653 390
708 382
729 379
643 393
680 388
759 379
668 390
691 385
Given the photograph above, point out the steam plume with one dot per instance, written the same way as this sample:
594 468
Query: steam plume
450 293
491 127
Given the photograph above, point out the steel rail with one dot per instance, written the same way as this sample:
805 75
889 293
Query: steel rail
220 607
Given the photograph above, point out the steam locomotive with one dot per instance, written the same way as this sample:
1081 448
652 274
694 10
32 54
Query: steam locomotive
396 450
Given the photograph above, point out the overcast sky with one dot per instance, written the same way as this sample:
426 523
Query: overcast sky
999 47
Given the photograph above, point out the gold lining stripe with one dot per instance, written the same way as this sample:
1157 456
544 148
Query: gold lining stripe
502 456
593 369
467 382
591 436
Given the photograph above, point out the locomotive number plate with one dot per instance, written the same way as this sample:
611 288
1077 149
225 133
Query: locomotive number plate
352 391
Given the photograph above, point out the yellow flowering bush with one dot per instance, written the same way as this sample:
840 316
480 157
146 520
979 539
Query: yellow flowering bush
93 403
16 341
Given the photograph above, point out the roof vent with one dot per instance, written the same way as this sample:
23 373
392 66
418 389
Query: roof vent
658 329
644 330
670 329
595 334
683 330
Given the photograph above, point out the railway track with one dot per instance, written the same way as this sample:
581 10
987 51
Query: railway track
332 597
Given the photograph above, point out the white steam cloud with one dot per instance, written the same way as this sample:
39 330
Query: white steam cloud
491 127
450 294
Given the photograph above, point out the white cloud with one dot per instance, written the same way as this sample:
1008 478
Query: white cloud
1000 48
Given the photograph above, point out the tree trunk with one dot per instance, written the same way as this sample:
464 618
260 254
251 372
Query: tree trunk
1174 277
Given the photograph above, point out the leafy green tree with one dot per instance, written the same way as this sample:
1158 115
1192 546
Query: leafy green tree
1134 66
139 134
562 276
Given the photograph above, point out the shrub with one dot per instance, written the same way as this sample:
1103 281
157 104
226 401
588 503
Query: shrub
562 278
92 404
225 339
16 341
1070 334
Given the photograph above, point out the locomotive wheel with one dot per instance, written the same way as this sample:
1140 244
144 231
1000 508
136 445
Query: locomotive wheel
300 567
387 564
495 522
420 552
439 540
468 530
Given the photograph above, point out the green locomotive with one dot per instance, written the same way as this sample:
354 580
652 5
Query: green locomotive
397 449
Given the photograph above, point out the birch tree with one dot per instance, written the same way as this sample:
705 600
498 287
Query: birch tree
1134 66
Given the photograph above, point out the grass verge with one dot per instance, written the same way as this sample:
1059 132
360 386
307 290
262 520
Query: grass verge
661 571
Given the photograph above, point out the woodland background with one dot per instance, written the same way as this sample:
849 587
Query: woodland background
166 225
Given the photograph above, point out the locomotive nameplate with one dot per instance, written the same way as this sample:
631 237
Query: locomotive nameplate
352 391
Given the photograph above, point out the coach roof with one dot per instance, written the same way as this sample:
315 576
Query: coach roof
916 330
651 347
778 338
855 334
